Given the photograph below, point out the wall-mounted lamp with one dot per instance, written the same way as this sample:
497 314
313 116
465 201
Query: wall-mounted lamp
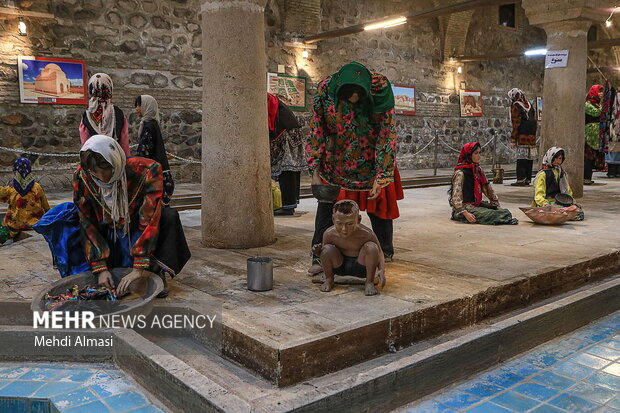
459 70
21 27
299 44
608 22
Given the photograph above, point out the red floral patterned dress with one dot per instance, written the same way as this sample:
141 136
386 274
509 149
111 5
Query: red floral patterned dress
353 150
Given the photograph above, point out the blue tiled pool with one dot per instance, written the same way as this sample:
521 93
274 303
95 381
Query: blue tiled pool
69 388
576 373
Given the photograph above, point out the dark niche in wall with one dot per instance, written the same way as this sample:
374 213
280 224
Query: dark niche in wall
507 15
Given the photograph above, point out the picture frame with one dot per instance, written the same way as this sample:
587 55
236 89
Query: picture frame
470 102
48 80
404 99
539 108
289 89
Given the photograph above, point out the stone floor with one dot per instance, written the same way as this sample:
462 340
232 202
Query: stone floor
579 372
437 261
71 388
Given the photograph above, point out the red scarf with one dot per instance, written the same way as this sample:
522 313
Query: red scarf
593 94
272 111
465 162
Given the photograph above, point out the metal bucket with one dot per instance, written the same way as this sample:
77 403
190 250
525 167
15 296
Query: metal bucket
260 274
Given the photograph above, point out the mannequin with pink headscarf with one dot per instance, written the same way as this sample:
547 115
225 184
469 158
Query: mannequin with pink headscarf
102 117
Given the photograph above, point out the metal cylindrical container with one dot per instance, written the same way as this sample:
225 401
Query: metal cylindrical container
260 274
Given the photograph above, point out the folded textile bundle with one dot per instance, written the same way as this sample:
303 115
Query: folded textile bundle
88 292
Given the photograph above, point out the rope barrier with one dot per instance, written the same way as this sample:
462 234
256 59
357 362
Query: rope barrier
507 147
425 146
61 155
70 155
448 146
183 159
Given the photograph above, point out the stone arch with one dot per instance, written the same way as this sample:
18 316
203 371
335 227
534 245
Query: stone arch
455 27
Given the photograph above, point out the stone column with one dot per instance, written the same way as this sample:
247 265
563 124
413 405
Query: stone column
564 89
236 176
566 23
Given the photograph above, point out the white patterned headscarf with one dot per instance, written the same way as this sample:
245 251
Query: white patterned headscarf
100 91
114 192
514 93
150 111
517 96
548 164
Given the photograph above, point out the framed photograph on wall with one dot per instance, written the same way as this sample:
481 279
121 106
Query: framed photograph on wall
471 103
52 81
539 105
290 89
404 97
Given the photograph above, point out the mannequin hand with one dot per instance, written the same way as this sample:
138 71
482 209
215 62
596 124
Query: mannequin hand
469 217
105 279
317 249
134 275
376 190
316 178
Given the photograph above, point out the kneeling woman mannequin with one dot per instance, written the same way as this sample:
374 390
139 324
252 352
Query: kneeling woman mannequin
468 185
119 205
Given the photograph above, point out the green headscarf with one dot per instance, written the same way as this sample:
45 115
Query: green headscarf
355 73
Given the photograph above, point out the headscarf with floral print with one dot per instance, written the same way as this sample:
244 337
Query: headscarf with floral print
100 109
23 181
466 162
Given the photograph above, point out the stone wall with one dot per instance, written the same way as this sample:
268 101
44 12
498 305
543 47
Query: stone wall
147 47
155 47
412 54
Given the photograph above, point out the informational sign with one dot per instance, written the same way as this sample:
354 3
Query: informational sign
556 58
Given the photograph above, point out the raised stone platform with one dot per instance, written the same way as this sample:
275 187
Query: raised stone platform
445 275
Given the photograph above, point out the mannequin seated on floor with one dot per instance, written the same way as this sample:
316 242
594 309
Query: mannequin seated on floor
350 248
552 180
26 202
468 185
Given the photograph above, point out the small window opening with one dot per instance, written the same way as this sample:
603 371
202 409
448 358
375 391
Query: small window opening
507 14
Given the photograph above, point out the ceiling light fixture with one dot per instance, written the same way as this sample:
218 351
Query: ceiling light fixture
385 24
608 22
535 52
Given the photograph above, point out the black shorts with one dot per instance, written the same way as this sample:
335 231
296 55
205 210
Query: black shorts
350 266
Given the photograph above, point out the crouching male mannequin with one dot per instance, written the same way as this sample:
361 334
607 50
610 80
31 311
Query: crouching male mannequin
350 248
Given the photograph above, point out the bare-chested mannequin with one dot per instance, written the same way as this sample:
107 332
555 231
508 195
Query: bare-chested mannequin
350 248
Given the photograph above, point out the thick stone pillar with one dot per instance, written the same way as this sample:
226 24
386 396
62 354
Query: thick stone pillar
564 94
566 23
236 176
